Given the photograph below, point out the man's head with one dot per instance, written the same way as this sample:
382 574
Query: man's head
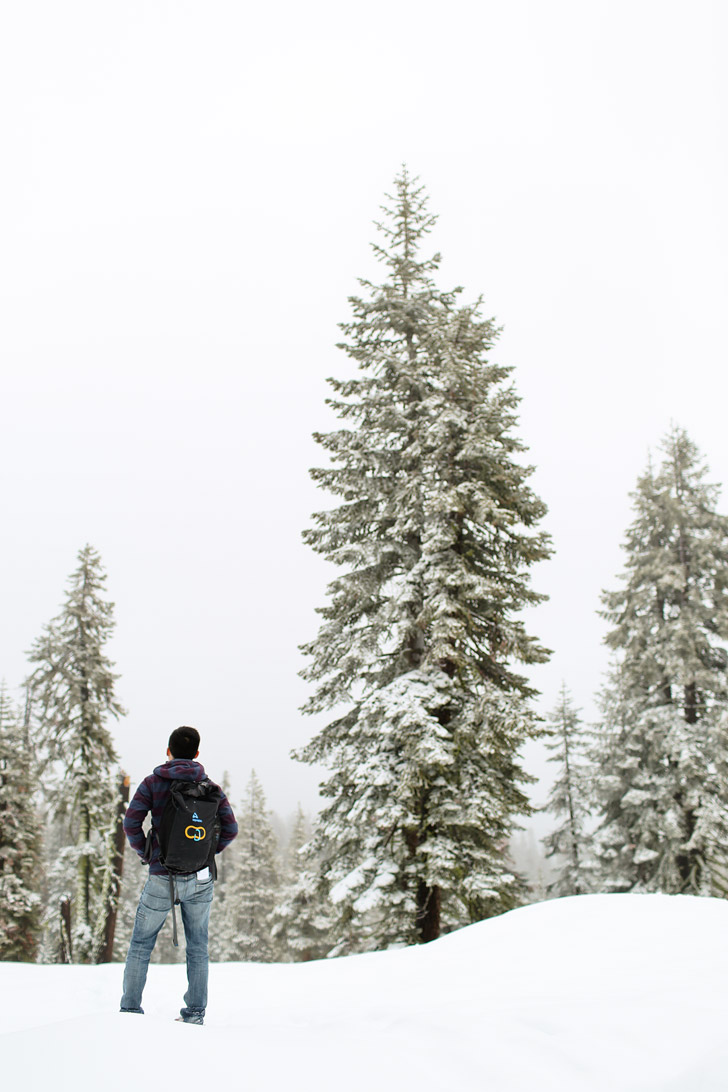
184 743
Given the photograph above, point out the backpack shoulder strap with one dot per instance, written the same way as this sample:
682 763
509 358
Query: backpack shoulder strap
173 900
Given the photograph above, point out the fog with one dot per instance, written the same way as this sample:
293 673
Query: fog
188 197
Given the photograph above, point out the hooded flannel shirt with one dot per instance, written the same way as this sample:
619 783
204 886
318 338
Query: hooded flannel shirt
151 796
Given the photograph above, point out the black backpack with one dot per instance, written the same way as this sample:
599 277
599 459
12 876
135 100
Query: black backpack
189 829
188 833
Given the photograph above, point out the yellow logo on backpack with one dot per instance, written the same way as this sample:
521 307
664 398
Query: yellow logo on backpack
198 833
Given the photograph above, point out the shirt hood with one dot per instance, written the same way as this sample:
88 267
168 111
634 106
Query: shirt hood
181 769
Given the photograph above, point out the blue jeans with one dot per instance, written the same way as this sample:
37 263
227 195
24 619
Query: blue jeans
195 899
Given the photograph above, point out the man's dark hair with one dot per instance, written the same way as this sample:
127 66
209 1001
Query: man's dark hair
184 742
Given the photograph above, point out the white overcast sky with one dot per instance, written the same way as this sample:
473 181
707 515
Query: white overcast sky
187 195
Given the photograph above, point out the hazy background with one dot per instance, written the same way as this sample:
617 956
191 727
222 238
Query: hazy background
187 194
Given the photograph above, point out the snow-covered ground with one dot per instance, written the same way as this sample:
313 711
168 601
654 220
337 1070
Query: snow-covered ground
603 993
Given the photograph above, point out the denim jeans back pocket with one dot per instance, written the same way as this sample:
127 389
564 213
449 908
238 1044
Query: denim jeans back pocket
155 895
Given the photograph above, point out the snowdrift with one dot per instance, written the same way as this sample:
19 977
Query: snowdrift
602 993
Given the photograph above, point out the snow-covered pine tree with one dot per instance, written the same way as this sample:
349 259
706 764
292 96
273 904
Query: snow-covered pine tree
112 878
569 801
299 828
417 654
72 693
20 867
251 884
301 920
221 927
222 860
662 758
133 878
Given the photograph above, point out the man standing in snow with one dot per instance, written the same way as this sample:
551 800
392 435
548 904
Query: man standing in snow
193 890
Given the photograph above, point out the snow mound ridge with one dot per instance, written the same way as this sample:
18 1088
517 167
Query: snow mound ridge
600 993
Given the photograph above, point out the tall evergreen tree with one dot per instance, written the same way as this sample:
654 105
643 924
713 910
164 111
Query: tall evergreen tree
112 878
134 875
301 918
662 757
418 650
251 887
569 800
221 926
72 690
19 840
299 836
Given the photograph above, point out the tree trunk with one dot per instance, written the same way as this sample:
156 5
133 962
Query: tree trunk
691 703
575 862
65 931
110 903
428 912
666 685
82 909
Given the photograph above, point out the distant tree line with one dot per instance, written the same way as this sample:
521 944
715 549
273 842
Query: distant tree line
418 663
